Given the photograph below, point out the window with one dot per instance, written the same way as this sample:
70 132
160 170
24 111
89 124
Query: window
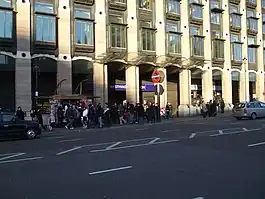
195 1
148 39
195 30
173 6
251 13
6 24
252 24
263 3
237 52
146 4
263 28
45 23
235 20
234 38
173 38
218 49
252 54
118 36
233 9
216 34
120 1
197 45
84 27
215 18
251 41
264 57
196 12
252 1
6 3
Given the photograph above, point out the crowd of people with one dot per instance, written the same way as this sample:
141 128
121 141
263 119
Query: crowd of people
212 107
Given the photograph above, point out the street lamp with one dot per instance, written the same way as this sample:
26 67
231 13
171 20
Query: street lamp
245 76
37 70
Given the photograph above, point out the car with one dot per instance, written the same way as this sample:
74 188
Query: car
249 110
11 126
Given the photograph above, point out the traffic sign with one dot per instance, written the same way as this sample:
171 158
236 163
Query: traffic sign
156 77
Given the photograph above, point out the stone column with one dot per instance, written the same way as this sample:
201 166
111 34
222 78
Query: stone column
185 76
207 84
132 84
260 61
100 70
100 82
23 61
244 80
185 96
207 79
226 73
64 64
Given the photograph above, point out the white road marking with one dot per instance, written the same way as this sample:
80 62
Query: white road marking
72 140
192 135
220 132
244 129
5 154
217 130
11 156
113 145
69 150
133 146
110 170
141 129
199 198
235 132
169 130
153 141
20 160
256 144
56 137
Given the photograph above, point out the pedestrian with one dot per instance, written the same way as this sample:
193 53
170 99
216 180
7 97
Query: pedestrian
99 114
204 109
20 114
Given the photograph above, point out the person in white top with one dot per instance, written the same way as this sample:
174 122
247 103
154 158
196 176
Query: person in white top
84 118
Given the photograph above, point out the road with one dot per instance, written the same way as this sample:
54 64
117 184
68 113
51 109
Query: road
192 158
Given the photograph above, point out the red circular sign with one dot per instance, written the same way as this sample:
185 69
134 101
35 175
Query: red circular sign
156 77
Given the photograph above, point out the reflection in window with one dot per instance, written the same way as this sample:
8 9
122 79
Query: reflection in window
197 46
174 38
84 28
5 3
146 4
118 36
252 54
173 6
148 39
237 52
235 20
215 18
44 7
6 23
196 11
45 28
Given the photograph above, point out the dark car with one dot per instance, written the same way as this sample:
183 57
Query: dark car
10 126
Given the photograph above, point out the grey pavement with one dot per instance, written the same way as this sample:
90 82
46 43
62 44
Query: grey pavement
213 158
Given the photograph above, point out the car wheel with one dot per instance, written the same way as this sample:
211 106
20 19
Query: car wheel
31 134
238 118
253 116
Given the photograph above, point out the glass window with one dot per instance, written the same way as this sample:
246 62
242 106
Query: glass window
173 27
264 44
196 12
235 20
45 28
82 13
44 7
251 13
5 3
251 40
252 55
197 46
252 24
6 24
84 32
174 38
215 4
173 6
252 1
148 39
234 38
146 4
264 57
218 46
233 8
263 28
195 1
118 36
237 52
263 3
194 30
215 18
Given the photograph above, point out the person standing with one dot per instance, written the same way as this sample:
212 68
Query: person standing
204 109
20 114
99 115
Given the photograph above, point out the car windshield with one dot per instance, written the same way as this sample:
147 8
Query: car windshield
240 105
7 117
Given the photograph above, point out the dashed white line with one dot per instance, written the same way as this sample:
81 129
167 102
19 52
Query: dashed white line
153 141
169 130
12 156
69 150
256 144
244 129
220 132
5 154
72 140
192 135
20 160
113 145
133 146
199 198
110 170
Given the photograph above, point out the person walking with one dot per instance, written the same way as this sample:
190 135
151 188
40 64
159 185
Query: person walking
204 109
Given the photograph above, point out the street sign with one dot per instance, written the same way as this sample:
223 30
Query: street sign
156 77
159 90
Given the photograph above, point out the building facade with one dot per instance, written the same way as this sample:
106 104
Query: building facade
109 48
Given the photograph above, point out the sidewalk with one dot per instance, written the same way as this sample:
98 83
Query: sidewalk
180 119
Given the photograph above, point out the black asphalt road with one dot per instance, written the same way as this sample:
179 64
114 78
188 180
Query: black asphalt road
217 158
